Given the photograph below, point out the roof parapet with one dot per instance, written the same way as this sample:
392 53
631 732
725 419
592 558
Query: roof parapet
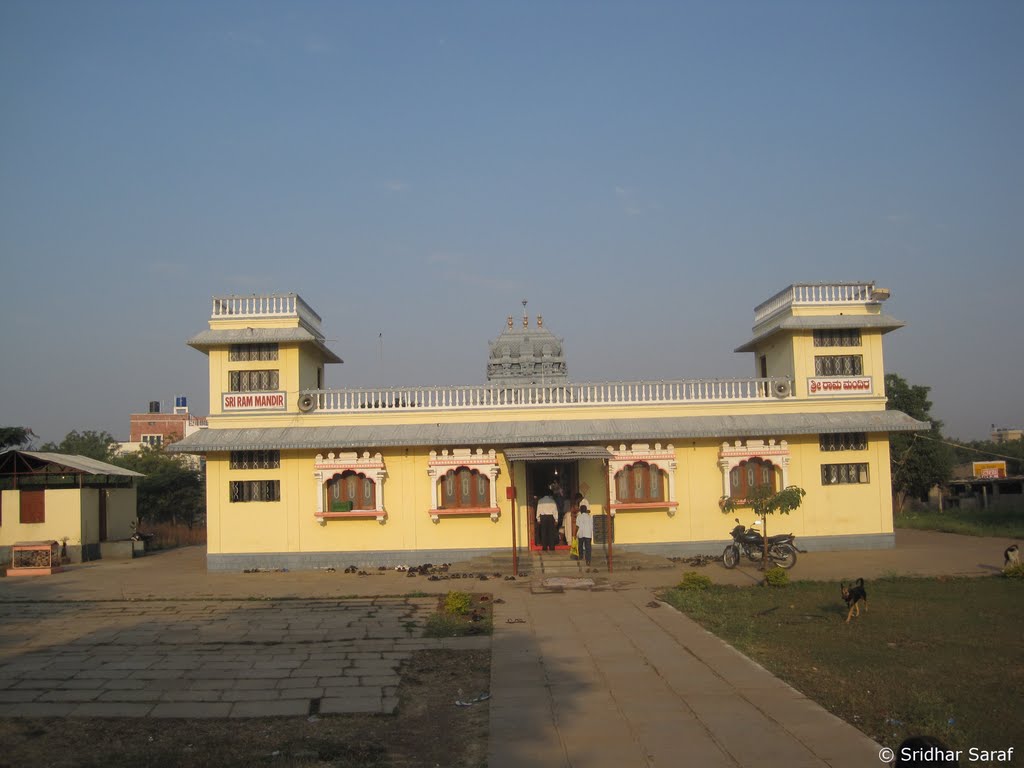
819 294
265 306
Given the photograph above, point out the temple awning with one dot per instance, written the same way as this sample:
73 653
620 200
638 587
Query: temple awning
557 453
507 435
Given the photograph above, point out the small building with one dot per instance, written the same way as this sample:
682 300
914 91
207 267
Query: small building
1006 434
155 428
301 476
77 501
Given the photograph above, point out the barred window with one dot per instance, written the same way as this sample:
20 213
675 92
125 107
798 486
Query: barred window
255 490
253 381
255 459
839 365
843 441
247 352
843 474
154 440
837 337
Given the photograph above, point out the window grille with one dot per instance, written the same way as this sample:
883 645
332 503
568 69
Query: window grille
250 352
255 490
837 337
253 381
844 474
255 460
843 441
839 365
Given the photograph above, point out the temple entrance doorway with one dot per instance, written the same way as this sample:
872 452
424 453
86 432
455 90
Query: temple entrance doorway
560 479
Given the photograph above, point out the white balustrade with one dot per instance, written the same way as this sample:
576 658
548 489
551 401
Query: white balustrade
271 305
355 400
813 293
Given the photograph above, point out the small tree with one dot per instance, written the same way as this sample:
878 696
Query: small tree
12 437
917 464
171 491
764 501
95 445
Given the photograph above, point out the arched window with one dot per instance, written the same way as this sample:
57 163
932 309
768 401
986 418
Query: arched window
640 482
465 488
350 490
751 474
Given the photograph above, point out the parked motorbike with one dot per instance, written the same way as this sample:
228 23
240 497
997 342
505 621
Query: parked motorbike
781 549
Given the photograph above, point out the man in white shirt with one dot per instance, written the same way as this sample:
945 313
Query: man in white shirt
584 532
547 517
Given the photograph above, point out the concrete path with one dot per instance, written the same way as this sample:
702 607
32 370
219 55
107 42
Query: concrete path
593 676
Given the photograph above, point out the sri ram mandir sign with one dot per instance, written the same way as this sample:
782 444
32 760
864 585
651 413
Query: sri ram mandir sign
839 385
252 401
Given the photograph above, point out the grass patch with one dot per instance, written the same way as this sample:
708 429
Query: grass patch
460 614
931 656
1002 520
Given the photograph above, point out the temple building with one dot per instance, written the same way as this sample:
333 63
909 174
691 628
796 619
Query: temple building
303 476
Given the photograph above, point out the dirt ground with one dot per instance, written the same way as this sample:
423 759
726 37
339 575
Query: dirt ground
428 730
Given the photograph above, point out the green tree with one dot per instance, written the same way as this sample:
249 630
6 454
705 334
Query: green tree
14 437
95 445
918 462
765 501
171 491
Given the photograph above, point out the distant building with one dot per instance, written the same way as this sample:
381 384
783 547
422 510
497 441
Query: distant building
1006 434
301 476
156 428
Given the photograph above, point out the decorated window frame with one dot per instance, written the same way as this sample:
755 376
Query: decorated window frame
731 457
622 463
326 468
439 465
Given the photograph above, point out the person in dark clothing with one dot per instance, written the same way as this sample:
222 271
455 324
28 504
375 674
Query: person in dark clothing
547 517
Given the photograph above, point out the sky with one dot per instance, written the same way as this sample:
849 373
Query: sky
643 173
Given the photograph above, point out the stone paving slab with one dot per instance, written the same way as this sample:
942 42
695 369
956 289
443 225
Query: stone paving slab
214 658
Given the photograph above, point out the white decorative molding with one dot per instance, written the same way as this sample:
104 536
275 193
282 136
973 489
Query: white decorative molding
438 464
325 468
731 456
663 458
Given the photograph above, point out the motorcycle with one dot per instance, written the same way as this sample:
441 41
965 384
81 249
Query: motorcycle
781 549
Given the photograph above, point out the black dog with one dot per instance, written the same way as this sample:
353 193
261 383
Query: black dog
853 595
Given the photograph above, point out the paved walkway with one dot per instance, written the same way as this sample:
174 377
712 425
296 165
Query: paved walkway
580 677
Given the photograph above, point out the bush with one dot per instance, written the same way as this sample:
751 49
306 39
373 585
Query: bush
776 577
458 603
694 580
1014 571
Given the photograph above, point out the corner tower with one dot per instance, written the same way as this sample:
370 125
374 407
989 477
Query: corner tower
263 350
824 337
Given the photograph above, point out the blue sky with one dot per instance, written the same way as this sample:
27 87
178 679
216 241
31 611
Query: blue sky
643 173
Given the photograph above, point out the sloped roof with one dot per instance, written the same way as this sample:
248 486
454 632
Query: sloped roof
73 463
885 323
523 433
218 338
